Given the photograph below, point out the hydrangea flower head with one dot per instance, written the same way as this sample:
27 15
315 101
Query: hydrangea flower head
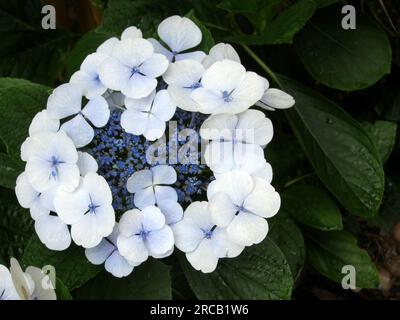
123 157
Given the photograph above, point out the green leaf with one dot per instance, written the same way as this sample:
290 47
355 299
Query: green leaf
383 133
389 214
329 252
325 3
317 210
18 105
85 46
9 171
344 59
389 106
283 28
207 41
71 265
15 227
27 50
340 150
260 272
288 237
149 281
62 291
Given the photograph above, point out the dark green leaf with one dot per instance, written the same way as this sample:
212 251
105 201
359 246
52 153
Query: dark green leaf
9 171
288 237
325 3
312 207
62 291
340 150
329 252
71 265
389 106
344 59
260 272
15 227
18 105
383 133
150 280
27 50
283 28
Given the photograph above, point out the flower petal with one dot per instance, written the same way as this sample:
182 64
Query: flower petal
263 201
203 258
133 52
171 210
152 218
131 33
98 189
219 52
132 248
134 122
118 266
179 33
163 193
65 101
159 48
155 128
86 163
163 174
254 127
130 223
140 180
198 213
195 55
222 209
247 229
163 106
53 232
97 111
144 198
139 86
187 235
79 131
223 246
99 254
114 74
154 66
276 99
43 122
219 127
160 241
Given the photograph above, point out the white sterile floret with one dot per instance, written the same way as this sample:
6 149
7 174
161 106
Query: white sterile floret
219 52
202 241
33 284
179 34
275 99
151 186
240 203
7 288
183 77
133 68
52 232
66 101
43 122
107 252
88 210
52 162
147 116
228 88
88 76
86 163
107 46
143 234
236 142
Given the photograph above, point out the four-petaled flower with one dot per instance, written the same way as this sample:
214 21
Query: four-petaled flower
180 34
235 142
107 252
148 115
183 77
240 203
228 88
143 234
66 101
133 68
202 241
88 210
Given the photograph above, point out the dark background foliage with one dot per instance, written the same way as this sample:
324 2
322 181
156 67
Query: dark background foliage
335 155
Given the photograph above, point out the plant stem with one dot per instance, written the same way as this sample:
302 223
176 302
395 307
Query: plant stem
257 59
297 179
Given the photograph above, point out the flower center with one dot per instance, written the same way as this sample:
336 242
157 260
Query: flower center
207 233
144 234
120 154
227 96
92 207
54 163
194 86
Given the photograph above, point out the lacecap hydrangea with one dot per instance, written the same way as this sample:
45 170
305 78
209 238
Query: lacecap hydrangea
162 138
